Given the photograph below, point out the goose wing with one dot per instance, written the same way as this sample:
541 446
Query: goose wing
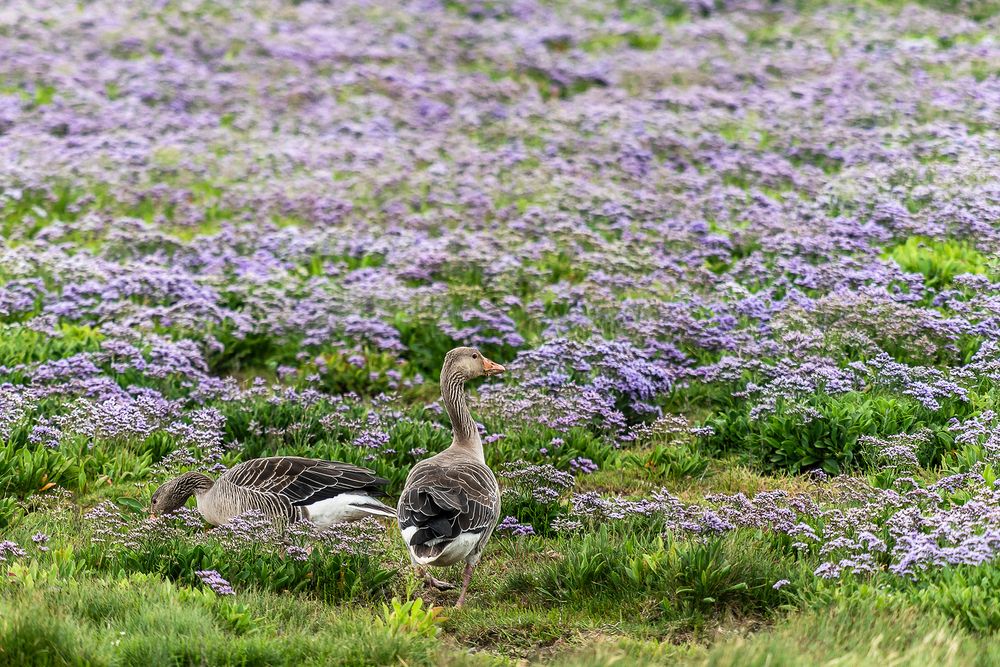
441 502
304 481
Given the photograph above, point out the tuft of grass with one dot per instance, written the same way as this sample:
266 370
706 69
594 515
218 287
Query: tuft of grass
144 620
860 633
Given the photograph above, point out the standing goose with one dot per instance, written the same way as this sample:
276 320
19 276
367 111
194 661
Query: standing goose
451 501
283 488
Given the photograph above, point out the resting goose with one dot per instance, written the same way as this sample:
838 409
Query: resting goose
451 501
284 488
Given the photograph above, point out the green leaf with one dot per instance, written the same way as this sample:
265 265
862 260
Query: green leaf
132 505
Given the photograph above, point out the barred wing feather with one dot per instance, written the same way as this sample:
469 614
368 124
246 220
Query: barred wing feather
304 481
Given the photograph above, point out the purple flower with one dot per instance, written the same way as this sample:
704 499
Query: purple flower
511 525
214 580
40 540
8 548
296 553
580 464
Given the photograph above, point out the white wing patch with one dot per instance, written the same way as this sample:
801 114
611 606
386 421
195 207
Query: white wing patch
346 507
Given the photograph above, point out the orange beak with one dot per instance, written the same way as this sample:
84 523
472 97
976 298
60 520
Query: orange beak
491 367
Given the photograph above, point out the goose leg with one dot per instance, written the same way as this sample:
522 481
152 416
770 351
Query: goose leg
431 582
466 578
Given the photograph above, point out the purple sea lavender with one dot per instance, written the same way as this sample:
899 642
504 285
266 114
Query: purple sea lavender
544 483
40 540
9 548
583 465
899 450
214 580
511 525
45 433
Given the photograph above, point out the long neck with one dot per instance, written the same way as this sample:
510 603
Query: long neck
194 483
465 434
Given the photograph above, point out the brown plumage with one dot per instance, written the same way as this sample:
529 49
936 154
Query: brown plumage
451 502
283 488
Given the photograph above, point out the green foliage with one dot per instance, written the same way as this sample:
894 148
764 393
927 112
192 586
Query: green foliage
970 595
240 352
979 10
736 572
63 566
265 427
143 620
863 631
964 459
687 579
634 39
411 617
27 470
671 461
32 634
706 577
426 344
938 261
21 345
526 441
785 440
598 564
10 511
326 575
341 376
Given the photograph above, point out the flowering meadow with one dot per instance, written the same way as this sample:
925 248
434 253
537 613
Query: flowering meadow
739 257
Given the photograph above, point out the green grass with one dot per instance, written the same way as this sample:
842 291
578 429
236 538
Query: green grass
862 633
621 593
144 620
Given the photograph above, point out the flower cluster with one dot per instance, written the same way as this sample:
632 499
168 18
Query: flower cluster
11 549
899 450
544 482
214 580
511 525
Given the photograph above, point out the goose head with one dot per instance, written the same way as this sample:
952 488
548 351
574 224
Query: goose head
468 363
172 495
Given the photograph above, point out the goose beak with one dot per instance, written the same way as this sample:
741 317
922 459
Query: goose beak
491 367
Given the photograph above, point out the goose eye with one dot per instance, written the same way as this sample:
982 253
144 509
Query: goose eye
475 356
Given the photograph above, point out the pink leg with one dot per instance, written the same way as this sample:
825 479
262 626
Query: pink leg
465 585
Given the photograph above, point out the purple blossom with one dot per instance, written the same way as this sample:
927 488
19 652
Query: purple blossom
511 525
580 464
40 540
8 548
214 580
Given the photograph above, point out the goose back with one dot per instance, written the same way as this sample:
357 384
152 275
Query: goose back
449 508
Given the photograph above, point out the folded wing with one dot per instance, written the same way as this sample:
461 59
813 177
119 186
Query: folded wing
442 504
304 481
